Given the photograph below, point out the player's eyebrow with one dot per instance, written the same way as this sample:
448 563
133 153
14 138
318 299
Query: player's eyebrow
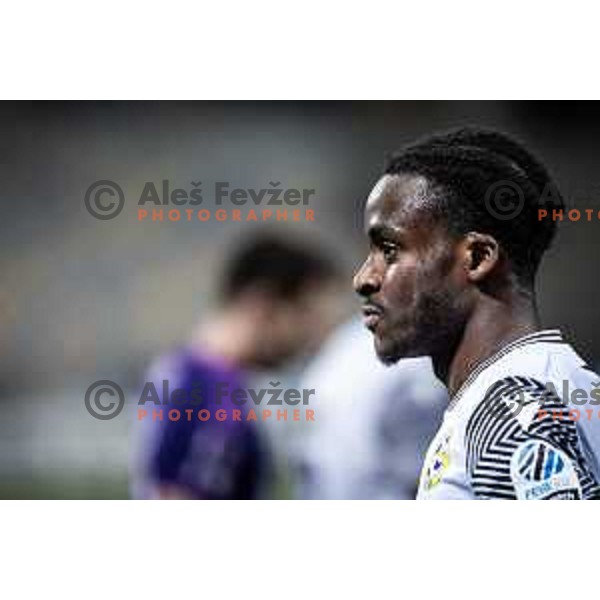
378 233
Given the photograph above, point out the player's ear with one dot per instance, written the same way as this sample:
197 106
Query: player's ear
482 254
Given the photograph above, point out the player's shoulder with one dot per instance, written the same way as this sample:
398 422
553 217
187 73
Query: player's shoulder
522 443
519 439
539 358
169 365
533 376
181 364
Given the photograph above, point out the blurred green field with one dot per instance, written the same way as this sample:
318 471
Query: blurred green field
71 488
95 488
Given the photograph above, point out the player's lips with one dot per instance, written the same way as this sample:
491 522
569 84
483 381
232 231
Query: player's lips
372 314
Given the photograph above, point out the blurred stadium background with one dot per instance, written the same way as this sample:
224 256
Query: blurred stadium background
83 299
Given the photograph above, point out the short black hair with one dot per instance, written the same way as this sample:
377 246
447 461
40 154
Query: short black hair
469 165
282 267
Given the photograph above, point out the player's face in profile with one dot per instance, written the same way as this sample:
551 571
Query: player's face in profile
410 281
299 325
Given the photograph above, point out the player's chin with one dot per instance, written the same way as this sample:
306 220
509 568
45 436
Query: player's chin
390 351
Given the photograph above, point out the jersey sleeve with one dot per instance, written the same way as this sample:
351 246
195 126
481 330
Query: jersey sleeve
522 444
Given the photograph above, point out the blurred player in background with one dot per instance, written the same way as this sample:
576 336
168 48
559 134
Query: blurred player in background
373 423
275 305
450 276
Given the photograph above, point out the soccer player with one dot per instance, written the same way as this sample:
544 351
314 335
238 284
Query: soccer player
275 306
451 276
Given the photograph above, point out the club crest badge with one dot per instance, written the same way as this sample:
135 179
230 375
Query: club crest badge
439 463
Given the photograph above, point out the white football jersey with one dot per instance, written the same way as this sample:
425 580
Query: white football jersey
524 425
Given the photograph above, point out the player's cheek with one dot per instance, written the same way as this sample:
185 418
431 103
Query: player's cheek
400 289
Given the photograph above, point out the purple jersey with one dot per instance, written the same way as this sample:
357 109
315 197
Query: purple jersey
219 457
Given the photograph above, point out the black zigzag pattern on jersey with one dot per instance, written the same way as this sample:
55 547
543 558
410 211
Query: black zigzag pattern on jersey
494 433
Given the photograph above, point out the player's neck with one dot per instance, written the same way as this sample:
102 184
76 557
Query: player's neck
492 326
229 335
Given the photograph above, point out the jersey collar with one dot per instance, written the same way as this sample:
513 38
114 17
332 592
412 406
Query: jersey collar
538 337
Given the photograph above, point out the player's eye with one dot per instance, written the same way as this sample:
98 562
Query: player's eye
389 251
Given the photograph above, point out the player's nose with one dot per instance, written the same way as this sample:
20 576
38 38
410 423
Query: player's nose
367 280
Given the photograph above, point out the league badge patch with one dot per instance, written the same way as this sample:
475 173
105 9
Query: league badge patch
541 471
